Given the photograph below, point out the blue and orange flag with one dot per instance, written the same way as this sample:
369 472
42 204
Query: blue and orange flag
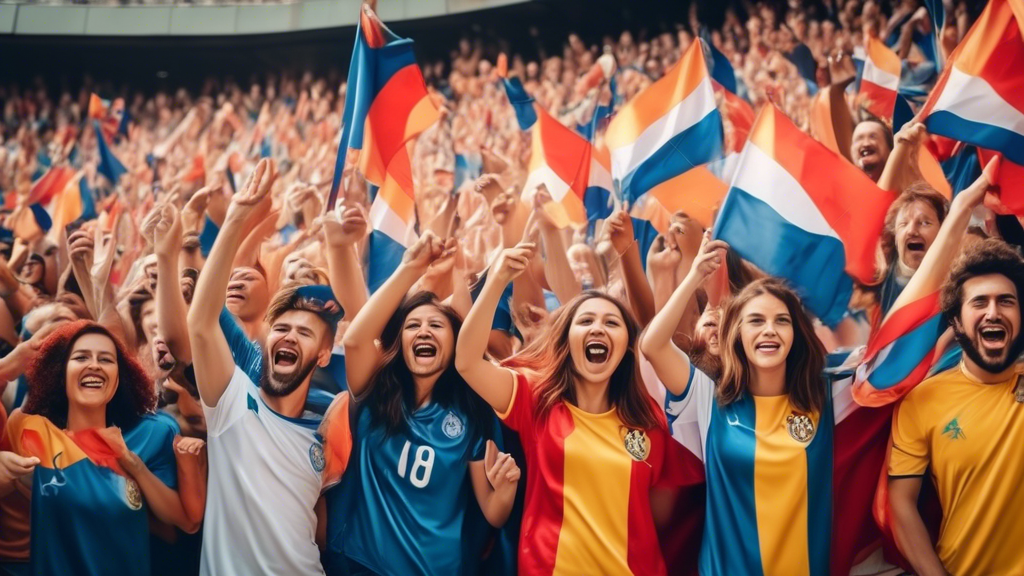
386 106
109 165
979 99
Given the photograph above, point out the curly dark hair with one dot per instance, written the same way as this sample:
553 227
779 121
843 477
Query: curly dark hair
989 256
46 374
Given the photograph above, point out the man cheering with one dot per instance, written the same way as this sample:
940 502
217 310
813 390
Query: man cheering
267 461
966 426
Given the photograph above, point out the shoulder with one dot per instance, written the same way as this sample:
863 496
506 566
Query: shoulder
932 388
158 428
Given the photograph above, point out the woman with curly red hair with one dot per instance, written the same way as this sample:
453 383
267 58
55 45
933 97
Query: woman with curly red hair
102 458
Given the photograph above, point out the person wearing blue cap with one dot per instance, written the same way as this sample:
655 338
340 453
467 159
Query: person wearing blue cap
268 463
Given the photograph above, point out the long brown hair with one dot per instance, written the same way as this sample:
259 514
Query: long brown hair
549 356
804 363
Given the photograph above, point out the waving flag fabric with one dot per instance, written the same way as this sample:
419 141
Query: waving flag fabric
112 115
574 173
109 165
75 202
979 99
798 211
669 128
386 106
881 79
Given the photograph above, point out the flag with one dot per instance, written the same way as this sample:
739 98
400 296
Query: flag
737 116
669 128
881 79
52 183
111 115
799 211
76 202
30 223
819 119
109 165
563 161
386 106
720 68
979 99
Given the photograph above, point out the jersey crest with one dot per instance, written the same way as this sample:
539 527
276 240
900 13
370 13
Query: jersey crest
452 426
316 457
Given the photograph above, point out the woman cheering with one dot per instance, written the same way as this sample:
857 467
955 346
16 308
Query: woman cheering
595 442
105 461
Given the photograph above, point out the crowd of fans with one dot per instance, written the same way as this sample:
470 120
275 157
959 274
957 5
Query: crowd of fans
222 207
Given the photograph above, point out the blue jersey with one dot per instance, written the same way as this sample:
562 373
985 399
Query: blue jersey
411 492
87 519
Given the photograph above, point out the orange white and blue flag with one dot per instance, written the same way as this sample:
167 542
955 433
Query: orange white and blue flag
880 80
111 114
386 106
798 211
979 99
671 127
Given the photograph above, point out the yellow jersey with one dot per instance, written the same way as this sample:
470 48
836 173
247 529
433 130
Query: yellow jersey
969 437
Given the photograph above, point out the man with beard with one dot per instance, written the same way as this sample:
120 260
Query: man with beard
965 427
870 147
267 461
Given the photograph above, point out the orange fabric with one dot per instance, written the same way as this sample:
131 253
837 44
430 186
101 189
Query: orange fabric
14 511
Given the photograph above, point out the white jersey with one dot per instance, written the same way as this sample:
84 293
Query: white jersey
265 479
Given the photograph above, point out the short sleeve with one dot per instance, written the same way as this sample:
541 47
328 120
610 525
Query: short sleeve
158 454
244 352
336 432
479 447
689 414
232 405
519 414
910 455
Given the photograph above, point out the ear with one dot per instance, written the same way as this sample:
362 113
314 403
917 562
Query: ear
323 358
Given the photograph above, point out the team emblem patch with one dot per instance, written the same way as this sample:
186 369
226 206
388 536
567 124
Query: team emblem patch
452 426
637 444
132 494
801 428
316 457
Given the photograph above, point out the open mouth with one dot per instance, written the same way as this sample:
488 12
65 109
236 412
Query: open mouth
285 358
915 245
768 347
992 336
424 350
866 151
94 382
596 352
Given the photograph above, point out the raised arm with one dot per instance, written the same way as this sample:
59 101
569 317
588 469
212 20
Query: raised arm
215 366
346 274
556 263
935 266
670 363
641 298
489 381
171 310
902 168
842 72
361 353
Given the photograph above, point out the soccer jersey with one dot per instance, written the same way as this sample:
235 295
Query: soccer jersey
769 480
967 436
264 481
411 492
87 518
587 489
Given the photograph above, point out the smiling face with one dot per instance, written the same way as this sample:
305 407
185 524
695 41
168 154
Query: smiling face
91 373
766 332
598 339
707 329
988 328
870 148
917 225
247 295
296 344
428 341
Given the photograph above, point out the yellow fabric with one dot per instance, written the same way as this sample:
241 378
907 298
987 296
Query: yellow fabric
971 435
595 497
780 486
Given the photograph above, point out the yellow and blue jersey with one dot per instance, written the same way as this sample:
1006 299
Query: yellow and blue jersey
410 492
769 480
86 518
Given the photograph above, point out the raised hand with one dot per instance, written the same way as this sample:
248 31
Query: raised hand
428 248
82 247
620 231
195 208
664 255
256 189
709 259
513 261
14 466
981 188
167 233
344 231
